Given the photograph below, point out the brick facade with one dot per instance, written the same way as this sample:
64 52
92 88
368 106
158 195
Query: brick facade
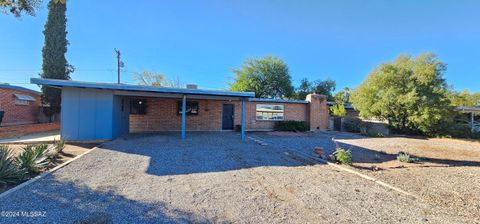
318 112
161 115
19 130
18 114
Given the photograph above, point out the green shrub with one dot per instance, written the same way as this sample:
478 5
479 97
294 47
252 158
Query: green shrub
374 135
338 110
343 156
33 158
291 126
406 158
352 124
9 172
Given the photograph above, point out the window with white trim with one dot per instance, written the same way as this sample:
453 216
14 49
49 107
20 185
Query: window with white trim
270 112
22 102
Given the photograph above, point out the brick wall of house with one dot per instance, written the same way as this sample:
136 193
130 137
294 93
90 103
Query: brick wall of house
162 115
18 114
318 112
292 111
19 130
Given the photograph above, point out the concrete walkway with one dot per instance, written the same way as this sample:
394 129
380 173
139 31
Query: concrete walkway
33 138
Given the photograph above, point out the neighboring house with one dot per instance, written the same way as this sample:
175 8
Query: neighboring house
19 105
94 111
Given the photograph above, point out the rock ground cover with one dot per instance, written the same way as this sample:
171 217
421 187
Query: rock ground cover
447 174
211 178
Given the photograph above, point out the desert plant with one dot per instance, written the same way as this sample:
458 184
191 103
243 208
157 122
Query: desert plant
55 149
33 158
291 126
9 172
405 158
59 145
343 156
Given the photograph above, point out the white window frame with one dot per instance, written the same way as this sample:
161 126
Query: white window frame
22 102
272 114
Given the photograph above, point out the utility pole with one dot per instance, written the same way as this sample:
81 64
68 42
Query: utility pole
118 65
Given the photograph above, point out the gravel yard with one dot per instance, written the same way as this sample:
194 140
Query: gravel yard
447 174
210 178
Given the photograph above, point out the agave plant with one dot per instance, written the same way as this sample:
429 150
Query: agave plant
33 158
55 149
9 172
59 145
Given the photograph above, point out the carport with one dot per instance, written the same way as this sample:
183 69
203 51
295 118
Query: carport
473 111
97 111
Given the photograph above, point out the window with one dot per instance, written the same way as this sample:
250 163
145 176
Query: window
269 112
192 108
23 99
138 106
22 102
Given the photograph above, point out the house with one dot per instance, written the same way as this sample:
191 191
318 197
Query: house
94 111
18 105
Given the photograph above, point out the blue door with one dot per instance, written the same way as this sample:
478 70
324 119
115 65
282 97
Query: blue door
227 117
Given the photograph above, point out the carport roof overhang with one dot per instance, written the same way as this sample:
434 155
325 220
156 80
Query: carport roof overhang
124 89
468 109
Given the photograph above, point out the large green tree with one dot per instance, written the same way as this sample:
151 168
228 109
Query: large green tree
465 98
17 7
410 93
324 87
267 77
303 89
343 95
55 65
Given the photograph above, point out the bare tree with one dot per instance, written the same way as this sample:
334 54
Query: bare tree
147 78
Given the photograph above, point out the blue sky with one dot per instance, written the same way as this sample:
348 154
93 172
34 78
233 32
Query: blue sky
202 41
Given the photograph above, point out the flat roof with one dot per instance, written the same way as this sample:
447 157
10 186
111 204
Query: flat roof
128 87
6 86
468 109
346 105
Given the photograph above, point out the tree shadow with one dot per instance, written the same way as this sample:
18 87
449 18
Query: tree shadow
367 155
50 200
308 142
201 152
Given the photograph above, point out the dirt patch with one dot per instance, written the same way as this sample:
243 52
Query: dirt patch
447 173
69 152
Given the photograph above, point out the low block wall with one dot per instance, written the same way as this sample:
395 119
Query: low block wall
19 130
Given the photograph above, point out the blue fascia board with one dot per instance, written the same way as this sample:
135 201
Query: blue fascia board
126 87
4 86
276 100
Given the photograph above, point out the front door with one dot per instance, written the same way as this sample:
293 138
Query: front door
227 117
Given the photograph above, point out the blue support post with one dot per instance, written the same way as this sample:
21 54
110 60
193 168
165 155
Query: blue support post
472 121
243 119
184 106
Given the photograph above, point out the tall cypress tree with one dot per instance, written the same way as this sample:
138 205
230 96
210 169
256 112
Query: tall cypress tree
55 65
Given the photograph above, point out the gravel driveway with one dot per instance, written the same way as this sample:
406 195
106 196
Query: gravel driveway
211 178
